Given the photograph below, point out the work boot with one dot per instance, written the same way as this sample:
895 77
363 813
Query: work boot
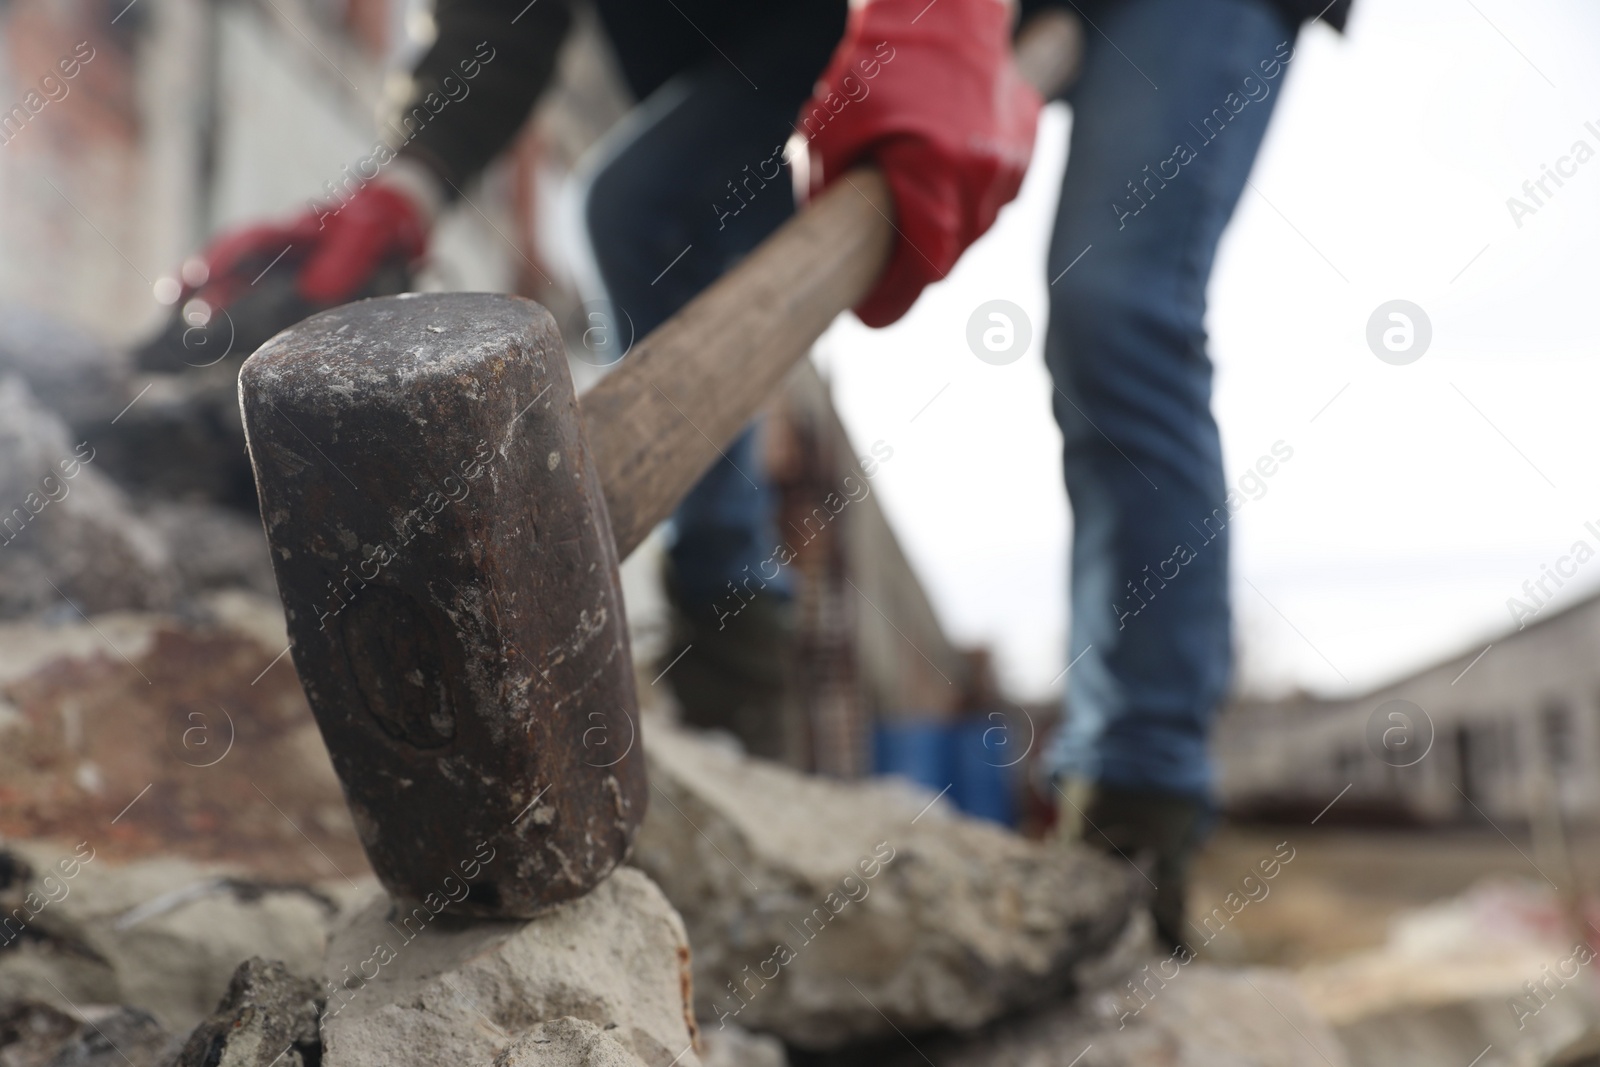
1157 832
735 671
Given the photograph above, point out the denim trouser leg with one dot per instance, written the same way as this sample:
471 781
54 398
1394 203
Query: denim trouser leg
680 199
1153 175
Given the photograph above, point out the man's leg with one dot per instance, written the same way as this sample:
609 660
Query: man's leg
688 190
1153 175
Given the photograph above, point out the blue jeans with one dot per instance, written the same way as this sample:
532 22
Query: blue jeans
678 200
1152 178
1125 347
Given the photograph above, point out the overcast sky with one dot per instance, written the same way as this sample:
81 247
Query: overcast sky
1421 496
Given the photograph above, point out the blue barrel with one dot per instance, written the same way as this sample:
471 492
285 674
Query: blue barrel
967 760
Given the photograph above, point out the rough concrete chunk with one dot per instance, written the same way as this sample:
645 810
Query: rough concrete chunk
414 988
268 1016
825 912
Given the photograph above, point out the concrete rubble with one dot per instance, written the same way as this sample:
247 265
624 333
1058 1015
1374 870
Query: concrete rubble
163 936
887 903
826 912
267 1017
604 977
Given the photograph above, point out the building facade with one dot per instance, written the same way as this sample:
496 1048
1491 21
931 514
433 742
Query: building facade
1508 730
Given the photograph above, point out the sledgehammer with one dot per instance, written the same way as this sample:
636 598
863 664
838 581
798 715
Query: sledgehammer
446 524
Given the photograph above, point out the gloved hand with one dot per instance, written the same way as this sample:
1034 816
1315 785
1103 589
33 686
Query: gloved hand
332 250
254 281
379 223
929 93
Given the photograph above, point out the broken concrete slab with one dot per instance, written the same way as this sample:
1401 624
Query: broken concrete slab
408 984
826 912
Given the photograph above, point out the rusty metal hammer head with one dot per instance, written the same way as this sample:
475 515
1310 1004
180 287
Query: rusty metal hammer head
446 564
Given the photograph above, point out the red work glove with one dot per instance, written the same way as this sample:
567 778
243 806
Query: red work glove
378 223
333 250
254 281
928 91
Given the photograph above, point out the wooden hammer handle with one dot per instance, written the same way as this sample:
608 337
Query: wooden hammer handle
662 418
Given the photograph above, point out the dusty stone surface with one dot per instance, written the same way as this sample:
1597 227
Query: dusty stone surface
268 1016
164 936
66 531
568 1042
826 912
1205 1017
410 988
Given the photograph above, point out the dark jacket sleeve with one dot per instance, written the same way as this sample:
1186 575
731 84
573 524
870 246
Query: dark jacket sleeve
474 88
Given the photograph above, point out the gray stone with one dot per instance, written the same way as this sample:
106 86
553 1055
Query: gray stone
65 530
410 987
826 912
268 1016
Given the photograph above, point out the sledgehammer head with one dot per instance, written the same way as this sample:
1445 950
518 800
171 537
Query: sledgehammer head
446 563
